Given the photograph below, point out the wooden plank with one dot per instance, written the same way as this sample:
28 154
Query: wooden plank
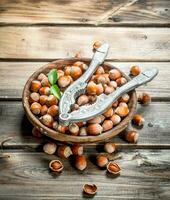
156 130
132 44
85 12
18 73
145 175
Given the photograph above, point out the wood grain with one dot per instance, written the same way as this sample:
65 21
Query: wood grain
132 44
19 72
145 175
155 131
119 12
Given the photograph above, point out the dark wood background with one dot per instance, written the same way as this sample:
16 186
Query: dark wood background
33 33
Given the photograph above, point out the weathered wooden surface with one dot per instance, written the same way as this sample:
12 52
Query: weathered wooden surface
126 44
155 131
119 12
145 175
18 73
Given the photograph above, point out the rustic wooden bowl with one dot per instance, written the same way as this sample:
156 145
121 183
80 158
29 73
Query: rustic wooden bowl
69 138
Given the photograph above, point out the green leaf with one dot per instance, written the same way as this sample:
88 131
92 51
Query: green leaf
55 91
53 76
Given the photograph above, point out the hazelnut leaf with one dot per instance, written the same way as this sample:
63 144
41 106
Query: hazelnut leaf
53 76
55 91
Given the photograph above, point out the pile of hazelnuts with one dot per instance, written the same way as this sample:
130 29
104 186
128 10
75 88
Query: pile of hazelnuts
44 105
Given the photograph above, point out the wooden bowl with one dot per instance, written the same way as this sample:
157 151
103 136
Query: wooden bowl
69 138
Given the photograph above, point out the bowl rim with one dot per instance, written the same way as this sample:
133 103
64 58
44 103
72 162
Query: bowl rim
70 138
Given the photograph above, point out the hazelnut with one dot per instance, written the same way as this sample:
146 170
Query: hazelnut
75 72
74 129
138 120
107 125
97 120
96 45
75 107
121 81
90 189
113 84
83 131
91 88
102 118
116 119
94 129
115 104
64 151
36 132
124 98
113 168
80 64
135 70
132 136
144 98
110 147
99 89
60 73
101 79
35 85
44 91
100 70
43 110
77 149
123 104
64 81
53 110
47 120
114 74
108 113
55 125
41 76
34 97
35 108
43 99
122 111
108 90
80 124
51 100
45 82
62 128
78 55
82 99
102 160
80 162
56 166
50 148
92 98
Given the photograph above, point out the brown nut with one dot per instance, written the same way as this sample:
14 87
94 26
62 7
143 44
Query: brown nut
99 89
108 113
35 108
78 55
74 129
77 149
34 97
55 125
96 45
100 70
83 131
90 189
64 151
108 90
82 100
62 128
138 120
121 81
107 125
110 147
60 73
51 100
114 74
91 88
132 136
74 107
64 81
135 70
116 119
123 104
56 165
35 86
124 98
45 82
94 129
75 72
101 78
113 168
43 110
50 148
97 120
43 99
80 162
44 91
53 110
122 111
144 98
41 76
101 160
92 98
113 84
47 120
115 104
36 133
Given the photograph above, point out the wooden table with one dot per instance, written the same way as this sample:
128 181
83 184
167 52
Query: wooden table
33 33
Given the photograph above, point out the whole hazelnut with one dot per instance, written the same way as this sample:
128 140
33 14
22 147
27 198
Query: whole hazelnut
64 81
94 129
74 129
35 85
101 160
132 136
82 99
113 84
77 149
80 162
78 55
91 88
122 111
44 91
62 128
138 120
43 99
47 120
123 104
121 81
108 90
116 119
124 98
110 147
75 72
99 89
135 70
96 45
64 151
114 74
83 131
97 120
53 110
43 110
115 104
108 113
35 108
55 125
144 98
60 73
50 148
34 97
41 76
107 125
51 100
45 82
100 70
